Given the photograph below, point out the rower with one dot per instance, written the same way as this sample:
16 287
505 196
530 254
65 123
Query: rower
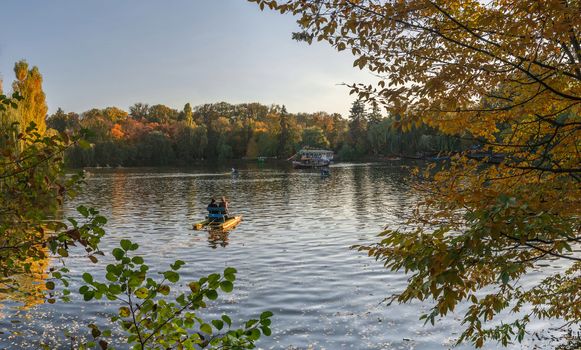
216 213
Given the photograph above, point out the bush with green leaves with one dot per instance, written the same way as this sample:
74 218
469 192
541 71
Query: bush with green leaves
155 314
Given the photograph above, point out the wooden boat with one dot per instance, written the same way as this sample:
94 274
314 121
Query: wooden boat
218 219
228 224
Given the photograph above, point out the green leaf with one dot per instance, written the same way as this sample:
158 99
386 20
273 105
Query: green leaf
87 277
118 253
171 276
88 295
266 331
218 324
266 314
126 244
227 319
137 260
177 264
83 210
229 271
206 328
212 295
226 286
254 334
111 277
115 289
49 285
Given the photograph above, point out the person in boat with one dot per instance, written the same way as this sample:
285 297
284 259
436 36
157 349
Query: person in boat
213 203
223 204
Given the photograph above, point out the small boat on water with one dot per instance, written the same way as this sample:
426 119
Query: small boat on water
312 158
218 219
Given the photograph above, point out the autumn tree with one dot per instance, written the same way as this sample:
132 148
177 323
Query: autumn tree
187 114
32 108
506 74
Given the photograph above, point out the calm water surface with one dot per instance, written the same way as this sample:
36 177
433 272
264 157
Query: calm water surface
291 251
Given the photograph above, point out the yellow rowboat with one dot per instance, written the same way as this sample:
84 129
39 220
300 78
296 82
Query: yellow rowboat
230 223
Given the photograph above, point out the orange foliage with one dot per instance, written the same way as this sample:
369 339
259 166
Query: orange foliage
117 132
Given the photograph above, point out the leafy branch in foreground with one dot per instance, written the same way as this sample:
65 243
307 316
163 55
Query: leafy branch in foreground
151 321
33 185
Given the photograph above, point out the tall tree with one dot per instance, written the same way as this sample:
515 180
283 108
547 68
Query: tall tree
188 115
283 147
358 127
33 107
508 74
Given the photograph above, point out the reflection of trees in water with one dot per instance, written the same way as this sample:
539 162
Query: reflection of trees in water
27 289
374 189
360 189
118 197
218 238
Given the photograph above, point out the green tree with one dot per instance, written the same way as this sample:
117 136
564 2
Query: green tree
358 127
379 135
191 142
62 121
283 146
139 111
314 137
161 114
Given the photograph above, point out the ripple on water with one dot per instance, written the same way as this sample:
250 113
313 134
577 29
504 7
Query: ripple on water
291 251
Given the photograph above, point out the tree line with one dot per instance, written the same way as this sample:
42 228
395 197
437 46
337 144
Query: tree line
158 135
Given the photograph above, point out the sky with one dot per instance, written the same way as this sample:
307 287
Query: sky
100 53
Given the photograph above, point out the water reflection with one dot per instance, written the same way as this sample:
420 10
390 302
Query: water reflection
25 291
218 238
291 252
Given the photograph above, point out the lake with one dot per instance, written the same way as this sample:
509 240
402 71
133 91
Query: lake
291 252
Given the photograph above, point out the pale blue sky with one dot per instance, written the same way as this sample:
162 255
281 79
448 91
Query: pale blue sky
99 53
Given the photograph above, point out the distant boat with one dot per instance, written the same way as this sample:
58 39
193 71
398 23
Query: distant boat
312 158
